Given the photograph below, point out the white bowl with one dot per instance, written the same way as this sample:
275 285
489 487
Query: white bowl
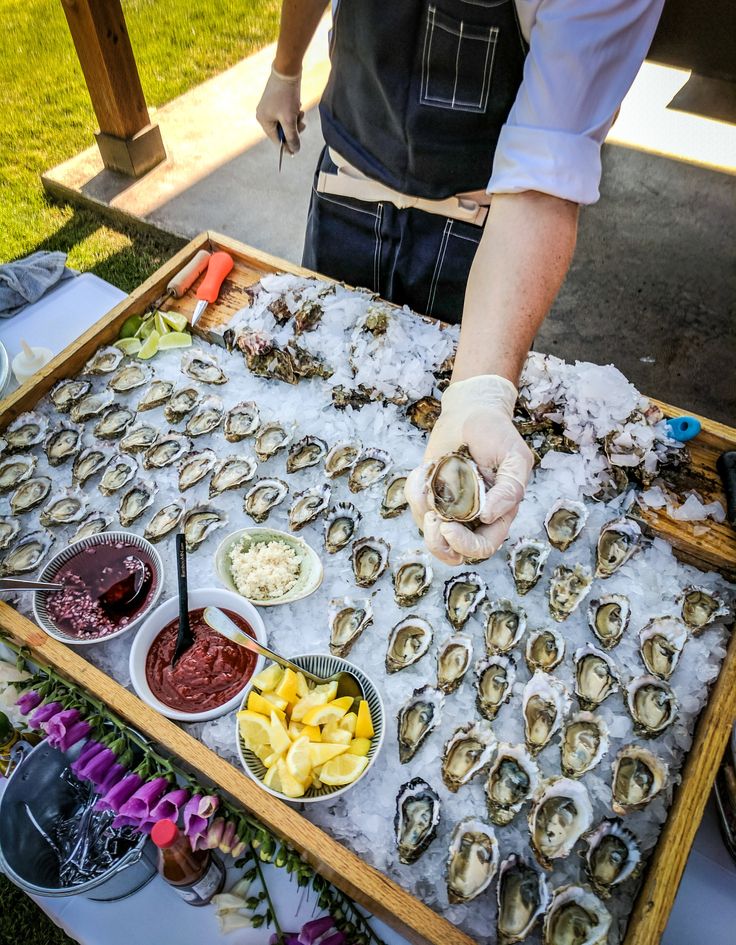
324 665
311 572
163 615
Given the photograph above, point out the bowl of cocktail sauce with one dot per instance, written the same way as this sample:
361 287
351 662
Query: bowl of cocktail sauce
209 678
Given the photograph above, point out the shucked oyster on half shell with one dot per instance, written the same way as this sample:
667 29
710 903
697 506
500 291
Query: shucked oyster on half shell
560 815
62 443
522 896
114 422
129 377
232 472
394 496
9 530
595 676
564 522
199 523
104 361
544 705
64 508
27 553
526 560
417 717
369 558
307 452
466 753
575 917
416 820
206 417
308 505
118 473
139 438
504 624
453 660
495 677
612 857
638 776
25 431
94 524
512 780
263 496
194 467
241 421
341 457
568 587
608 618
408 642
660 643
583 743
29 494
544 650
341 524
67 392
463 593
348 619
88 463
472 861
135 501
701 607
617 542
270 438
166 451
156 395
91 405
16 469
652 705
370 467
455 487
181 402
165 520
202 366
412 578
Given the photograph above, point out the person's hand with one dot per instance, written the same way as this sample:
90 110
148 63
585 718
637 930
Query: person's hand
281 104
477 413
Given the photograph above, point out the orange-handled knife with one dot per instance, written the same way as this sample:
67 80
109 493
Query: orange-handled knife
218 268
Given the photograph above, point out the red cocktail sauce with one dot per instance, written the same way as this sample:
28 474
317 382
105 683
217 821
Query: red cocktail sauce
208 674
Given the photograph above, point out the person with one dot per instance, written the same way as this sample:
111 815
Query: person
462 136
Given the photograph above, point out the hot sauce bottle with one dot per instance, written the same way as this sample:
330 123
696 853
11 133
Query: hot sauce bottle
196 876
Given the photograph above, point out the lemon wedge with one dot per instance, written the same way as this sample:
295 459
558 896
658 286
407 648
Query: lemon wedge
322 714
150 346
344 769
333 733
359 746
364 725
257 703
255 729
290 786
299 759
287 688
280 741
272 778
349 722
320 754
269 678
312 700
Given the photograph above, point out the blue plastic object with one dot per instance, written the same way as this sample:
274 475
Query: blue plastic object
682 428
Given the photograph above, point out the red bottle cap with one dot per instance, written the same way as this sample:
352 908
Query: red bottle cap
165 833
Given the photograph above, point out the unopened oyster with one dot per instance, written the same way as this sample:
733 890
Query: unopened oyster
576 916
16 469
522 896
199 523
583 743
412 579
608 618
25 431
270 438
138 438
701 607
417 717
472 861
617 542
129 377
165 520
394 497
526 560
466 753
660 644
348 619
638 776
340 458
113 422
88 463
568 587
416 820
91 405
595 676
27 553
370 467
564 522
341 525
512 780
104 361
118 473
265 495
194 467
408 642
135 501
652 705
181 403
65 507
166 451
29 494
560 815
544 704
424 413
241 421
463 593
369 558
203 367
62 443
612 857
504 624
544 650
94 524
67 392
9 530
231 473
308 505
453 660
494 676
307 452
455 488
206 417
157 394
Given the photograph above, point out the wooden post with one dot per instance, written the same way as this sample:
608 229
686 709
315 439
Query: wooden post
127 140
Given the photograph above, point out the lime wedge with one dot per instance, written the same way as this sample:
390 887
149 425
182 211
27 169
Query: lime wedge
175 320
159 324
146 327
129 345
175 339
131 326
150 346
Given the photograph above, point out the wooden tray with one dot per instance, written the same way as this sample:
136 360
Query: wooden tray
716 549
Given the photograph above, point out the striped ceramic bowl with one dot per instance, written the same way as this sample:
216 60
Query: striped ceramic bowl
320 665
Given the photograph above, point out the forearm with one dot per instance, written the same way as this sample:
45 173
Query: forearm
299 20
522 259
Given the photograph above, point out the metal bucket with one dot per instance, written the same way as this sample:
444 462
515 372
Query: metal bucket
27 858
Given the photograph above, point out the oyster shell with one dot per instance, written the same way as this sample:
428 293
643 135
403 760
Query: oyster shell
595 676
412 579
25 431
307 452
341 457
16 469
455 488
199 523
62 443
617 542
181 402
575 917
660 644
104 361
568 587
165 520
560 815
472 860
91 405
544 704
608 618
416 820
27 553
157 395
166 451
701 607
453 660
241 421
652 705
65 507
270 438
424 413
113 422
408 642
67 392
308 505
118 473
206 417
544 650
370 467
194 467
131 376
230 473
265 495
202 366
526 560
638 776
522 896
138 438
394 497
348 619
417 717
463 593
612 857
94 524
341 525
494 676
135 501
466 753
369 558
583 743
504 624
564 522
512 780
88 463
29 494
9 530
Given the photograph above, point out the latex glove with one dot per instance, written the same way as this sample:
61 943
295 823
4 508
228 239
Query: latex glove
477 413
281 104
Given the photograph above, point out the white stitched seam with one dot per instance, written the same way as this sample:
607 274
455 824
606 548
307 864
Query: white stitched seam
457 62
488 73
442 262
468 239
339 203
452 104
438 266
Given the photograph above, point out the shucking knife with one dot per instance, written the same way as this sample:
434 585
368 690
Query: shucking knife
218 268
726 466
282 139
184 279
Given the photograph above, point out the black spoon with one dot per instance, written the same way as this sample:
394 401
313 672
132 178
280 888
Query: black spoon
184 638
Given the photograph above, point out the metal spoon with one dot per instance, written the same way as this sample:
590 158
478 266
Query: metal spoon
15 584
347 683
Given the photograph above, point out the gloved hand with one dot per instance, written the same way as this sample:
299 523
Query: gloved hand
478 413
281 104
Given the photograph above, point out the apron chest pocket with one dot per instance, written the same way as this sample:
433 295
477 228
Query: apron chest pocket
457 63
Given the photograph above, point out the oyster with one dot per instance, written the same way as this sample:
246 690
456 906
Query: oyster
417 717
307 452
412 579
138 438
526 560
463 593
206 417
202 366
113 422
265 495
88 463
394 498
307 316
423 414
472 861
9 530
453 660
466 753
308 505
660 644
522 896
104 361
595 676
135 501
166 451
66 393
62 443
199 523
408 642
608 618
575 917
25 431
165 520
91 405
348 619
583 743
156 396
544 650
495 677
564 522
16 469
369 558
370 466
701 607
94 524
118 473
455 488
181 402
568 587
65 507
230 473
512 780
340 458
544 704
612 857
241 421
270 438
617 542
416 820
341 525
504 625
560 815
638 776
194 467
652 705
29 494
26 554
131 376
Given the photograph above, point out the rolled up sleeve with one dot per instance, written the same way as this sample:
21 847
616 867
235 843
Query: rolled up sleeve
581 63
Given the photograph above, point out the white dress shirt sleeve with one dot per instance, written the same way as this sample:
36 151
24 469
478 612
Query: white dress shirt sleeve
583 57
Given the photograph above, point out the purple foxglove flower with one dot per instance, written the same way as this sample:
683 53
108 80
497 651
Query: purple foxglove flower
314 930
169 806
197 814
228 837
215 832
140 804
123 821
95 767
119 794
65 729
90 749
115 774
43 713
28 702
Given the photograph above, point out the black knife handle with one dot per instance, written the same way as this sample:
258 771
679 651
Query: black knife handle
726 466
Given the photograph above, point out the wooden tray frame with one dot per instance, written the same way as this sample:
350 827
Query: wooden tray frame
367 886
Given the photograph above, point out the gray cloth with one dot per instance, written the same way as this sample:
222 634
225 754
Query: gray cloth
26 280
